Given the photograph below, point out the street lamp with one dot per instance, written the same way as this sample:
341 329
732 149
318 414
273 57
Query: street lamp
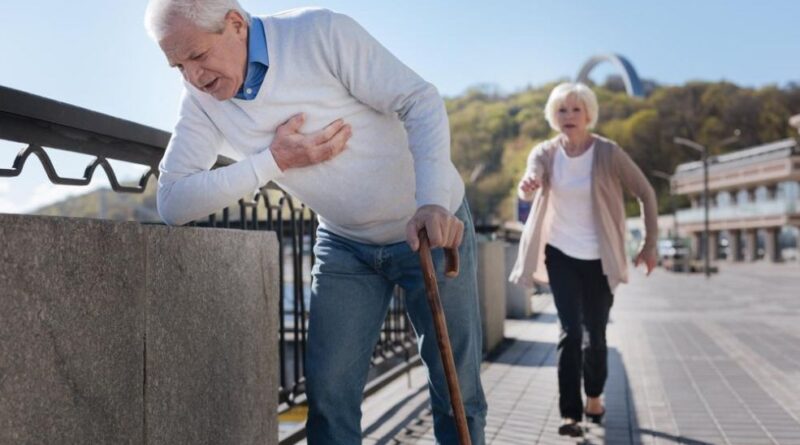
667 177
704 153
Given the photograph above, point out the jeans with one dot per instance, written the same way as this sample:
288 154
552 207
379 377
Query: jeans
583 300
350 295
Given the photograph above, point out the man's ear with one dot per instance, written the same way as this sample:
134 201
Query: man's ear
238 22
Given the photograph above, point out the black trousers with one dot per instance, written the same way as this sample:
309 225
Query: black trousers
583 300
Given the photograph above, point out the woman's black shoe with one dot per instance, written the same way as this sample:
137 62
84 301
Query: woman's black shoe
571 429
596 418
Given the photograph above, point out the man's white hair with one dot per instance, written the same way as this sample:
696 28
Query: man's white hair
560 94
209 15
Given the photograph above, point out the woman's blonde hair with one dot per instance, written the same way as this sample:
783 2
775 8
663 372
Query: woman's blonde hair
560 94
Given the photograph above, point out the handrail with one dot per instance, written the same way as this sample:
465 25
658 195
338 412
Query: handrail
36 120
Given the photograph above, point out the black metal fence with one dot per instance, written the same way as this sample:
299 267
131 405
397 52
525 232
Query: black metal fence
38 122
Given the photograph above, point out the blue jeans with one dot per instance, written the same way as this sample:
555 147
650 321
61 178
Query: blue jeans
350 295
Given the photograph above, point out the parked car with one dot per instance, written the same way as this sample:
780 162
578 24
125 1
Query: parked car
674 254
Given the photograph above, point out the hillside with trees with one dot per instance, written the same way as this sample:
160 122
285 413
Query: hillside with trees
107 204
493 132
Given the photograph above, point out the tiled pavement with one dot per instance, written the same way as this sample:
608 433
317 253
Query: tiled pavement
690 361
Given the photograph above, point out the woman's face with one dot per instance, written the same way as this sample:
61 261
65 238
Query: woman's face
572 117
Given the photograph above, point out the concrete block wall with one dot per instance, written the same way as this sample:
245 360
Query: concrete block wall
129 334
492 291
518 298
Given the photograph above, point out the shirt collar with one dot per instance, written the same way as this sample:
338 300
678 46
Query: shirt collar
257 60
257 43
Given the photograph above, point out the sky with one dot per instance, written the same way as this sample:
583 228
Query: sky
95 54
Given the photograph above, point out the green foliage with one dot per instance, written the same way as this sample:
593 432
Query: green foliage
493 133
107 204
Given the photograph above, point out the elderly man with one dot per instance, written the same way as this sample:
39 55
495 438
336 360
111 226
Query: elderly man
309 100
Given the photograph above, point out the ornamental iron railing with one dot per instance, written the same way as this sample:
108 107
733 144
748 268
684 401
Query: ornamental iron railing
36 122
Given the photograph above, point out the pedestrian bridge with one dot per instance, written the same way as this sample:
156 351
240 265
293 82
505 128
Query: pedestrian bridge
128 332
116 332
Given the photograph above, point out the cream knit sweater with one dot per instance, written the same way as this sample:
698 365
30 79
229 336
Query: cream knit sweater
325 65
612 171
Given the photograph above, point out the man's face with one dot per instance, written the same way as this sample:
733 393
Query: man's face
214 63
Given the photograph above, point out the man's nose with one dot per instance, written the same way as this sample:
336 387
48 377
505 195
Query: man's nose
193 71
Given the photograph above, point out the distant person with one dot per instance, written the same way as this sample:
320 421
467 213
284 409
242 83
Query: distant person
574 238
309 100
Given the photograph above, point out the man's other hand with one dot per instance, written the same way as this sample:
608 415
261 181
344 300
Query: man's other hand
292 149
444 229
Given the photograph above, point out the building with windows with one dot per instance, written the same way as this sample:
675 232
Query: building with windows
754 201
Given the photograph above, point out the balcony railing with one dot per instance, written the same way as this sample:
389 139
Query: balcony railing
740 211
36 122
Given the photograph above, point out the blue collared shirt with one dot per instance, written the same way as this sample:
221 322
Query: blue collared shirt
257 60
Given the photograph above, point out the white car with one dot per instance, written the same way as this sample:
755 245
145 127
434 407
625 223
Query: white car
674 254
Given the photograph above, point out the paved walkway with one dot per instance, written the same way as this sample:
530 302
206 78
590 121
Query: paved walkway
690 361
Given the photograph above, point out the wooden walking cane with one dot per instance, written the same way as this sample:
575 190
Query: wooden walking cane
443 339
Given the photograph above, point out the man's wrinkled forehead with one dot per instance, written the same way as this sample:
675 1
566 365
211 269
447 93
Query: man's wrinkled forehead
175 51
176 30
181 40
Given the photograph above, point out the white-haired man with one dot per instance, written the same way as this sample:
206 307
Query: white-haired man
251 86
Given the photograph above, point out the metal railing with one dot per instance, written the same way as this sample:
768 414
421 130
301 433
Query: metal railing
775 207
38 122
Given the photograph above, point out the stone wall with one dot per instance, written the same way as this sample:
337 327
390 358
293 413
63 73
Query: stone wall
129 334
492 291
518 298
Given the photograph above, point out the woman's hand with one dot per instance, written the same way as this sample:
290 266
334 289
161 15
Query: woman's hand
648 257
528 184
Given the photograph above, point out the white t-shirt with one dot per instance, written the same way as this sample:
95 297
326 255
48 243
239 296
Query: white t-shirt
572 228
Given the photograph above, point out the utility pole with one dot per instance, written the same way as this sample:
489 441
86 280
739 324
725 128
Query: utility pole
704 154
667 177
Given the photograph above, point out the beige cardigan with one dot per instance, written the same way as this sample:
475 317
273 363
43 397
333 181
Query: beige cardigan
611 169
